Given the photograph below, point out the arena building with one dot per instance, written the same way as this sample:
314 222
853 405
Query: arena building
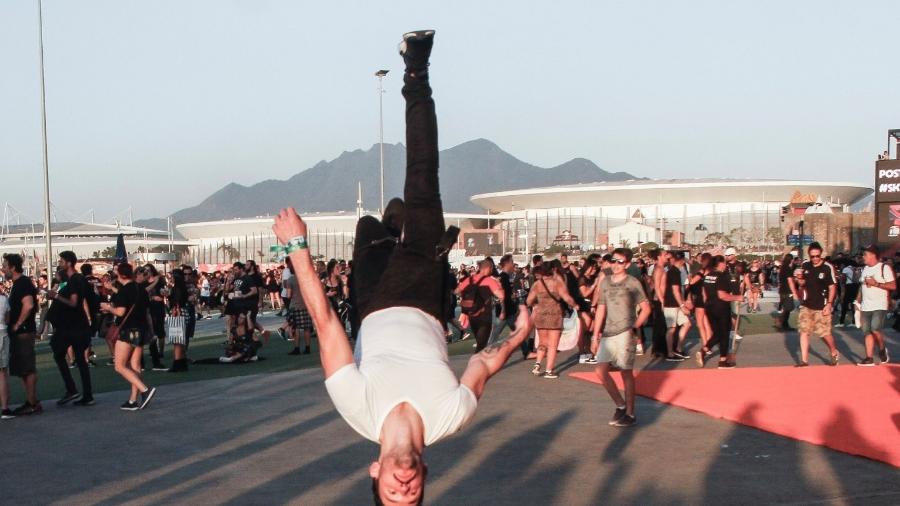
752 214
747 213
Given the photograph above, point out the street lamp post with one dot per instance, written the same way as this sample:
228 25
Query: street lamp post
47 231
380 75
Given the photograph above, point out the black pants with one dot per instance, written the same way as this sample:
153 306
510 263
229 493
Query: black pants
659 330
387 274
850 292
720 321
786 302
79 341
481 328
190 324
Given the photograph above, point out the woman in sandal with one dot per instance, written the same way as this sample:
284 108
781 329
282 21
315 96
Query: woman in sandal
547 296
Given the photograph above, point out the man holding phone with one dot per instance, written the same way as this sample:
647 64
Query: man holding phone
874 300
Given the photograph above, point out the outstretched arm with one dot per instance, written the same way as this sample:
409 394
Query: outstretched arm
333 344
490 360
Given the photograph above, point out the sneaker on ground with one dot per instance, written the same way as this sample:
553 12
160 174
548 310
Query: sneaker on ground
295 351
618 415
674 358
582 358
147 396
626 421
7 414
727 365
130 406
536 369
866 362
681 355
884 356
698 357
802 364
28 409
549 375
160 367
592 360
84 402
67 398
834 359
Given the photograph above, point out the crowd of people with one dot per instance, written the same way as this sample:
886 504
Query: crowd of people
661 293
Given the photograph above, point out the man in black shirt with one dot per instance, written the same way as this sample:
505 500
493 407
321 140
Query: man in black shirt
819 291
22 329
675 309
72 329
735 279
785 293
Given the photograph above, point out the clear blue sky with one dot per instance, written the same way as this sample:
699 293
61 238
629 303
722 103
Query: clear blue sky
158 104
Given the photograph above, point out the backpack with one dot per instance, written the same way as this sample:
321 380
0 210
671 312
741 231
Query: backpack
471 301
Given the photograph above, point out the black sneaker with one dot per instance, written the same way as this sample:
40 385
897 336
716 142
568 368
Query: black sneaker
866 362
307 351
549 375
84 402
67 398
295 351
727 365
617 416
146 396
416 49
28 409
160 367
7 414
626 421
681 355
884 356
674 358
802 364
130 406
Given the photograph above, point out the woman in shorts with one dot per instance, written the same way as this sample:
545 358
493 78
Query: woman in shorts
755 280
130 306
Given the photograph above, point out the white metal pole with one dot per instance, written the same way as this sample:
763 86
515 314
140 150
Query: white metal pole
47 230
381 135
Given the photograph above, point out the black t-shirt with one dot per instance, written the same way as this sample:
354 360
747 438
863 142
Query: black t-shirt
673 278
259 283
509 302
712 283
734 279
756 277
818 279
131 296
786 272
22 288
158 306
93 293
70 318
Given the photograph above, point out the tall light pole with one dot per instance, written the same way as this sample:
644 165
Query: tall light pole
47 231
380 75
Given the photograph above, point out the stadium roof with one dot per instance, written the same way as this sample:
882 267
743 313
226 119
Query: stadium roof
76 229
668 191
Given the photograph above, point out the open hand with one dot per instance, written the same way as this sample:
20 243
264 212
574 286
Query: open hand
288 225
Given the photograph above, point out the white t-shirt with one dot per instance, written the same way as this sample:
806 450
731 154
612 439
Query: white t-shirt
4 311
204 288
848 275
401 356
285 276
874 298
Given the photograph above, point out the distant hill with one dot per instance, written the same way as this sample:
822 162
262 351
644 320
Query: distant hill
470 168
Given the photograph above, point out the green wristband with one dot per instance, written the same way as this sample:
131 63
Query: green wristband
296 244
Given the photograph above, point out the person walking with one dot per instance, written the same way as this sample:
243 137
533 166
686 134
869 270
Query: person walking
477 294
622 309
819 291
717 301
72 327
5 412
786 291
878 282
547 299
130 305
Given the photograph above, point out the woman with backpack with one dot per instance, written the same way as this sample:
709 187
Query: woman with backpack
547 296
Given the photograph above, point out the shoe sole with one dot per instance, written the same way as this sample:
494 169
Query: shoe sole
64 400
148 399
867 365
136 408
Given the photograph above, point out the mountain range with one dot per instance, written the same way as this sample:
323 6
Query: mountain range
477 166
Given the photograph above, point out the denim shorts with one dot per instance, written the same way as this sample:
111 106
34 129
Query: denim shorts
872 321
4 349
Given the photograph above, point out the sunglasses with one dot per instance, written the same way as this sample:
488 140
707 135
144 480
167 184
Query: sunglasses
619 261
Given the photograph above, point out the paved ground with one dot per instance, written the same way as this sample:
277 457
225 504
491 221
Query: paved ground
274 439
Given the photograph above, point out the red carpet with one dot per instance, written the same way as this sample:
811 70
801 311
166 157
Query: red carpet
851 409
